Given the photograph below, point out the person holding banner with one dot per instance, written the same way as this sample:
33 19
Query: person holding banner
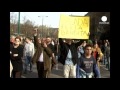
71 27
68 57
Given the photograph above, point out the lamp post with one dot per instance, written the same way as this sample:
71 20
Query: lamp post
42 24
18 23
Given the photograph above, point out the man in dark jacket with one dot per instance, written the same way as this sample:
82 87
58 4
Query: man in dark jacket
68 57
107 54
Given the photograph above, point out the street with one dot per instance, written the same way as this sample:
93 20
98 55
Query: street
59 73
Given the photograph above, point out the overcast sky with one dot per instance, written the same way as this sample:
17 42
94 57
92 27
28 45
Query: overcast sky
51 20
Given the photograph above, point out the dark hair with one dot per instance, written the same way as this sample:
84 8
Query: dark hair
29 38
18 37
88 45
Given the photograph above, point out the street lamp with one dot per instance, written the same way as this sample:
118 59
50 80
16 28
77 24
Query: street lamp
42 24
18 23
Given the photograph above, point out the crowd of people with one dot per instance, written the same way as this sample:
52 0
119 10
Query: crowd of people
80 58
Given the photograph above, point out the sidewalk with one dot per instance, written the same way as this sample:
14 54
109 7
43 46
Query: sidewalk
105 73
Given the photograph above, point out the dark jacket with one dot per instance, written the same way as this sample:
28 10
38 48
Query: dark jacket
57 49
107 51
16 61
64 48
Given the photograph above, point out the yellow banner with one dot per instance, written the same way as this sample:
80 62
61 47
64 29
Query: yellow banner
74 27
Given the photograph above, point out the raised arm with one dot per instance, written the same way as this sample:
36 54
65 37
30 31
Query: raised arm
36 43
78 44
61 42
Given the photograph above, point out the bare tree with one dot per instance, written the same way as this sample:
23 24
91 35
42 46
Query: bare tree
27 26
13 22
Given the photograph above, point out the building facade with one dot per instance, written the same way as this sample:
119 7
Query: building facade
98 28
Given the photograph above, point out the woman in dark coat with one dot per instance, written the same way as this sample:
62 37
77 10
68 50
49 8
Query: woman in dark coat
16 54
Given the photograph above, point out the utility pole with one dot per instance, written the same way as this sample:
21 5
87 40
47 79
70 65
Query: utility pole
42 24
18 23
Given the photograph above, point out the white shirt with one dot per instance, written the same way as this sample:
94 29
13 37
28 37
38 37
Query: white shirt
29 49
68 60
52 43
41 57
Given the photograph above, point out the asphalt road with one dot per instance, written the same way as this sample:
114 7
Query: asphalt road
59 73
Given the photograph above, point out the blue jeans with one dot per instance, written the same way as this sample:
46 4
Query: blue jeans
27 62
